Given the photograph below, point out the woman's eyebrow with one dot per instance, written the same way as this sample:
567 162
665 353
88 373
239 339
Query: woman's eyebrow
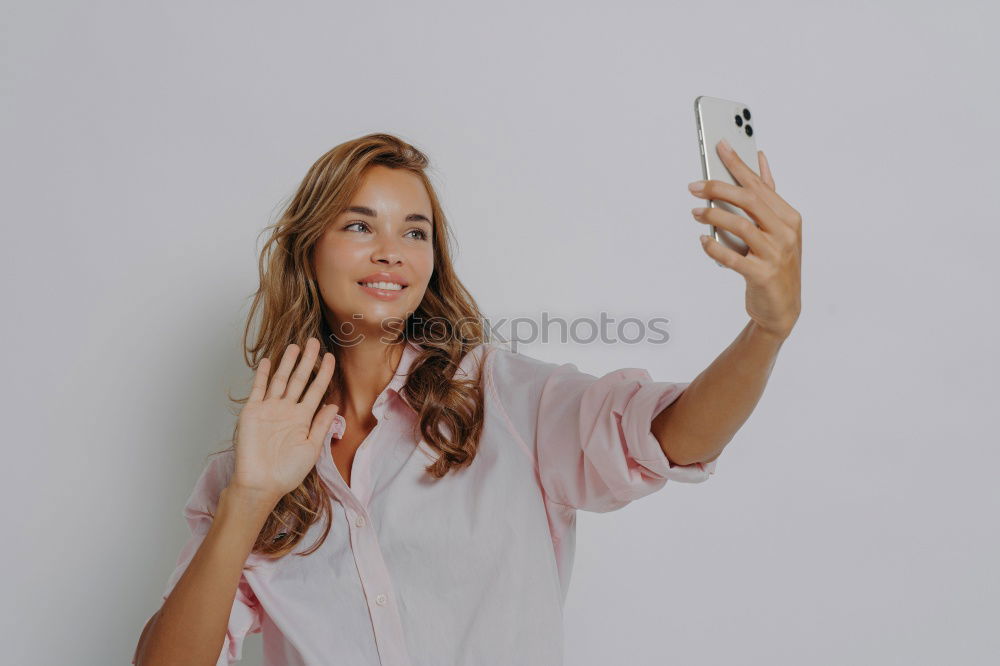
364 210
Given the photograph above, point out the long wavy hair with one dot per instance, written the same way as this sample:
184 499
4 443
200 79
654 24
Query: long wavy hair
447 324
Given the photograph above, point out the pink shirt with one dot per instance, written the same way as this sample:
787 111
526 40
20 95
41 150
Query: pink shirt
470 569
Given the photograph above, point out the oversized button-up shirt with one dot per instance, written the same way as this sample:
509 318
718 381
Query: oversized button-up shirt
468 570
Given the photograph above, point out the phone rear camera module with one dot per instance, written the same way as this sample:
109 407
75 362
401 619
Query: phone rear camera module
746 113
749 130
739 121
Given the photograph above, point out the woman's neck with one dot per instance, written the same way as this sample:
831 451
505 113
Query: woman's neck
366 368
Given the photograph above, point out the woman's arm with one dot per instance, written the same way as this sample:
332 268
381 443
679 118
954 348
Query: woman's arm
191 625
703 419
698 425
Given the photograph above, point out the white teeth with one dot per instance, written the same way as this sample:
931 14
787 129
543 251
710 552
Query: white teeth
392 286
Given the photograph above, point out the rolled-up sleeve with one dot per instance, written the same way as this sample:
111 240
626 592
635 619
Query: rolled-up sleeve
591 436
245 617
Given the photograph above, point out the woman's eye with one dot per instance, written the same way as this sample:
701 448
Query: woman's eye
422 236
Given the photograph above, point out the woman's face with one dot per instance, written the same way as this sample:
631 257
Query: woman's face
385 235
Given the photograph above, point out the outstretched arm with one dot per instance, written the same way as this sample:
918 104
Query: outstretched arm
704 418
697 426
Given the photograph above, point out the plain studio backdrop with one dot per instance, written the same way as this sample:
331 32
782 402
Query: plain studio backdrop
852 520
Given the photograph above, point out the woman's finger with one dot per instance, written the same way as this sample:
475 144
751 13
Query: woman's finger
746 177
742 198
320 383
277 387
739 226
765 170
748 266
323 422
302 370
260 381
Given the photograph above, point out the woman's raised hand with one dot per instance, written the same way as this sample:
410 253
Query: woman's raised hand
280 438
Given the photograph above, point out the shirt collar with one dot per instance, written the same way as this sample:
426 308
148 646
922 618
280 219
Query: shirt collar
411 350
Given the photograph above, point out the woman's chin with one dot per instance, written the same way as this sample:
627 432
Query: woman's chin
380 317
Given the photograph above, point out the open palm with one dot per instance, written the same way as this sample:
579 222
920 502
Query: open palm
280 438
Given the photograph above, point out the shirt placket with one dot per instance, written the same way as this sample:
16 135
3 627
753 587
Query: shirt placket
372 570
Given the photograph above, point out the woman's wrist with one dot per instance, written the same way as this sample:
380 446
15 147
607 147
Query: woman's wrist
247 501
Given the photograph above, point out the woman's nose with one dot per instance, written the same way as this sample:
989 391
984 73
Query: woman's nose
388 252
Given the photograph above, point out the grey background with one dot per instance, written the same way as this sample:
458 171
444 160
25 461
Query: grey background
853 519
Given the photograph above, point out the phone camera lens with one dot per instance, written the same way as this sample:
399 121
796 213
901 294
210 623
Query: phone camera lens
739 121
746 113
749 130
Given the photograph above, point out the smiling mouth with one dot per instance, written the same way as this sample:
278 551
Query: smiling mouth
402 287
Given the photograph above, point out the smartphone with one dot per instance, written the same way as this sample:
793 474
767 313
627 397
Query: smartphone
719 119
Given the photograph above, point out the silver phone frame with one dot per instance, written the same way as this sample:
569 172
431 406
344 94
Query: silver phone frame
713 120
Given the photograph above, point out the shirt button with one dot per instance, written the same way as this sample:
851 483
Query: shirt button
360 521
380 600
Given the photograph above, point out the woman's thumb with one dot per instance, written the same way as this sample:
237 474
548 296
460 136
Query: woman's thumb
327 417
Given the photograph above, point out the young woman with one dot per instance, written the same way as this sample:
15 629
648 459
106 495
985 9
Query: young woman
403 492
